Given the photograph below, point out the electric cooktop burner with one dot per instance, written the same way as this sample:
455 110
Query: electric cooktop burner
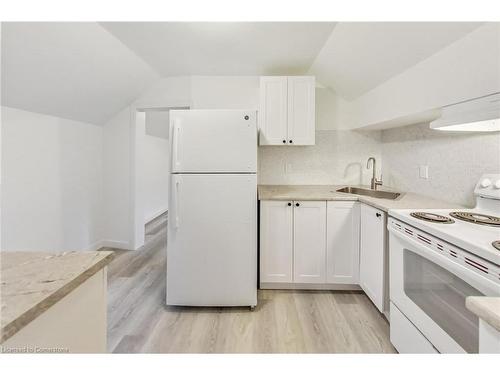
434 218
476 218
496 244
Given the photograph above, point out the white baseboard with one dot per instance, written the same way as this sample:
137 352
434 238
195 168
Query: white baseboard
109 243
116 244
304 286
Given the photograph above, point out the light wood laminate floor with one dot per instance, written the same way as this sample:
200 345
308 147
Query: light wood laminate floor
283 322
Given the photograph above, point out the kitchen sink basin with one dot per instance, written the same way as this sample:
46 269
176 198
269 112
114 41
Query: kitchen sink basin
369 193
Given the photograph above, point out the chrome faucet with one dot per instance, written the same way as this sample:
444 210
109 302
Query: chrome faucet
374 182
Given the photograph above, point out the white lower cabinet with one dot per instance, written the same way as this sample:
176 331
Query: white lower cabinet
309 242
276 255
329 245
372 254
342 251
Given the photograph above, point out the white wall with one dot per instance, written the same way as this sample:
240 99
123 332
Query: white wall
332 112
456 161
167 92
225 92
117 180
157 123
466 69
51 183
156 176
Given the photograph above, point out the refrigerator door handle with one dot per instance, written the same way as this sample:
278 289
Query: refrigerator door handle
175 146
176 200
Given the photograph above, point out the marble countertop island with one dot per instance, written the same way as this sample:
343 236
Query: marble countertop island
32 282
329 193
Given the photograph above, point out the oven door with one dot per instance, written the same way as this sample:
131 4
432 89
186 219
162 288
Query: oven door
430 290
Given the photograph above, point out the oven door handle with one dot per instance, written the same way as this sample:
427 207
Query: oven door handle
483 284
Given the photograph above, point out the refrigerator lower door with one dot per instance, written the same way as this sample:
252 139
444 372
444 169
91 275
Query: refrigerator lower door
213 141
212 240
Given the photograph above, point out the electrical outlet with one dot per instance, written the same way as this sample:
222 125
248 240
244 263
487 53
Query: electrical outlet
424 171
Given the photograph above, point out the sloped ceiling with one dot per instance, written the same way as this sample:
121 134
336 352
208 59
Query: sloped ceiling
358 56
224 48
77 71
90 71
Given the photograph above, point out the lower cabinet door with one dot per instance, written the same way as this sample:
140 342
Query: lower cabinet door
276 252
342 243
309 244
372 254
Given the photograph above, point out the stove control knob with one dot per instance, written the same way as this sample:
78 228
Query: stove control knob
497 184
485 183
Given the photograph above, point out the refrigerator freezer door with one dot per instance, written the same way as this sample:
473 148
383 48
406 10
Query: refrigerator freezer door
212 240
213 141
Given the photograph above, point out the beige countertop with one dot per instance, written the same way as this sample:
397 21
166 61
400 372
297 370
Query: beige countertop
486 308
32 282
329 193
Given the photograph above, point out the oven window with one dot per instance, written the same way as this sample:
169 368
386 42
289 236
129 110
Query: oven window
441 295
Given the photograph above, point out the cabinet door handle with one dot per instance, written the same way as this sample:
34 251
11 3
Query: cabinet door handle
297 204
284 140
289 204
378 214
290 141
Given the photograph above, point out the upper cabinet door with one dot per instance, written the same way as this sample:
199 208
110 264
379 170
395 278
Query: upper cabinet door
342 254
301 110
273 111
309 242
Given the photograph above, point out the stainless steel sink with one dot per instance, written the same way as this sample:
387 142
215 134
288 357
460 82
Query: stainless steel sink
370 193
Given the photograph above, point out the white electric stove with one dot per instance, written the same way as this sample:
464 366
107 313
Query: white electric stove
476 230
437 259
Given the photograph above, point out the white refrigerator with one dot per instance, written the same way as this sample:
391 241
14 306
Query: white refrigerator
212 220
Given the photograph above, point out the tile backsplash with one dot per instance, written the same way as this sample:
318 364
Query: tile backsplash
339 157
455 161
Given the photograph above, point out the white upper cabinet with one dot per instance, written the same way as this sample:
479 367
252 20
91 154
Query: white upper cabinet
276 253
287 110
309 240
372 254
342 251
